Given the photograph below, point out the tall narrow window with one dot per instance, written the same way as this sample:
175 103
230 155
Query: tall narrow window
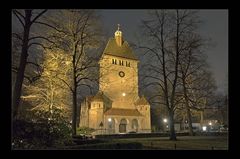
114 61
127 64
120 62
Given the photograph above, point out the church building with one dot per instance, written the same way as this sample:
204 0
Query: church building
117 107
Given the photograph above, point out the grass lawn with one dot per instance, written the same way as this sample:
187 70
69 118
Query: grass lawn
183 143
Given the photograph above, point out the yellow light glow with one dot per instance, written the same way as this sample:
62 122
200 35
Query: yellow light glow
204 128
164 120
124 94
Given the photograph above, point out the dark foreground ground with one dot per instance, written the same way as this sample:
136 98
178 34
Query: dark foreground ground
161 143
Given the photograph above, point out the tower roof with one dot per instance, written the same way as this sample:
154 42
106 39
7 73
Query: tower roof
99 97
121 51
142 101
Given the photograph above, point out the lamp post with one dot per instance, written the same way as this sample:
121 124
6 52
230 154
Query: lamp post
210 124
165 124
165 120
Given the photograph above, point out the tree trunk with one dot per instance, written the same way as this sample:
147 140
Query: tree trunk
74 93
189 122
189 116
171 112
22 65
74 112
171 125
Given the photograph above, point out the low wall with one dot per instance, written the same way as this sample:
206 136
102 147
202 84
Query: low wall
143 135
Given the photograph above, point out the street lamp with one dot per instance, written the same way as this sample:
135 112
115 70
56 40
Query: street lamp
165 123
210 124
204 128
165 120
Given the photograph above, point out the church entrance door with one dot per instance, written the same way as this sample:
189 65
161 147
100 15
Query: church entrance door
123 126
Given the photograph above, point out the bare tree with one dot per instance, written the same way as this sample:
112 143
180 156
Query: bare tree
191 61
49 93
166 32
77 33
26 19
196 91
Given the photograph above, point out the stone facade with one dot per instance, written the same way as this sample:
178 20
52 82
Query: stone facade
117 107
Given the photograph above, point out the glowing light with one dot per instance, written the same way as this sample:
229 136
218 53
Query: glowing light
210 123
109 119
165 120
204 128
124 94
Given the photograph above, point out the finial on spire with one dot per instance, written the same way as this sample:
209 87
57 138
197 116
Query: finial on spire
118 27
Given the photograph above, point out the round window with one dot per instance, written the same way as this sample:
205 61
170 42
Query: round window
121 74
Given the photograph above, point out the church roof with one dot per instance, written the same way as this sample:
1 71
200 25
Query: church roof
123 112
121 51
142 101
98 97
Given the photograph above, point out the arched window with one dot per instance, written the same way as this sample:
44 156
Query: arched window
111 125
135 125
123 121
123 126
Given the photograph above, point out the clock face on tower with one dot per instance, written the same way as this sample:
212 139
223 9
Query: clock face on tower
121 74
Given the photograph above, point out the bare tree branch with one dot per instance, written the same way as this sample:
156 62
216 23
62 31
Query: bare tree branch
39 15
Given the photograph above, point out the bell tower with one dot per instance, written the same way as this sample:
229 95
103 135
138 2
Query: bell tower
119 72
118 36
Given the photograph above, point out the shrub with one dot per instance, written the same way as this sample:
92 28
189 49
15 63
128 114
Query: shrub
41 130
85 130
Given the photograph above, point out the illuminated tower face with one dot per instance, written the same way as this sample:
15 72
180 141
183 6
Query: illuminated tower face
119 73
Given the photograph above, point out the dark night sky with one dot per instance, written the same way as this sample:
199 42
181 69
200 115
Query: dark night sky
214 26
